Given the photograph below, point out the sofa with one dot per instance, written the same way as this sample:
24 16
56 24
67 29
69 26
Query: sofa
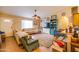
29 44
17 38
32 30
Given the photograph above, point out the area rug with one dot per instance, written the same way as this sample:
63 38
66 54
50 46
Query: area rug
44 39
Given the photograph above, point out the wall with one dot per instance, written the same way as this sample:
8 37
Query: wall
68 15
78 9
15 20
17 24
61 23
6 26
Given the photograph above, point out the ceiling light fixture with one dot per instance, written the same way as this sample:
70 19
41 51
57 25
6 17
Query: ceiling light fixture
36 16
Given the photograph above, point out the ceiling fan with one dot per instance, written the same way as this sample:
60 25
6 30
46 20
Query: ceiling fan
36 16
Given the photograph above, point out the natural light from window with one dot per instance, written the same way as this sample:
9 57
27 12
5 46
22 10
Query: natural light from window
27 24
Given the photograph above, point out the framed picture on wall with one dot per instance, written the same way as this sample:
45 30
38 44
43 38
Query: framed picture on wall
54 16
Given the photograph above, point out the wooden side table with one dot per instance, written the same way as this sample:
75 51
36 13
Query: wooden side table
75 43
69 42
57 49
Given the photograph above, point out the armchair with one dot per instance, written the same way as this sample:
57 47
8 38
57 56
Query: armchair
29 44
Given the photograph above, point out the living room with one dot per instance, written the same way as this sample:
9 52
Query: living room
42 24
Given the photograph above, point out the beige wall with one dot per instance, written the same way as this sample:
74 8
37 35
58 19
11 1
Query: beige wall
61 23
6 26
15 22
78 9
68 15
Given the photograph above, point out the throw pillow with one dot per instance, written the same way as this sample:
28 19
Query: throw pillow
60 43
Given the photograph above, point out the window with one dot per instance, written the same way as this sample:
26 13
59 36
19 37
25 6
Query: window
27 24
6 20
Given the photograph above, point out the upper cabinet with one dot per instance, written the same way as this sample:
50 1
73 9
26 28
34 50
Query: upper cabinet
75 15
76 19
74 10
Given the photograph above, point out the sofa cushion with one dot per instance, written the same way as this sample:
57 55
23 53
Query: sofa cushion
31 41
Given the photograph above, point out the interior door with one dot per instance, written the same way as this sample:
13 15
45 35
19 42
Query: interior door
6 26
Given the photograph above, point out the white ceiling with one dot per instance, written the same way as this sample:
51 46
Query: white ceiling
28 11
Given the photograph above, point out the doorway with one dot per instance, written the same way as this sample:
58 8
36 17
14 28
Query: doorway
6 26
